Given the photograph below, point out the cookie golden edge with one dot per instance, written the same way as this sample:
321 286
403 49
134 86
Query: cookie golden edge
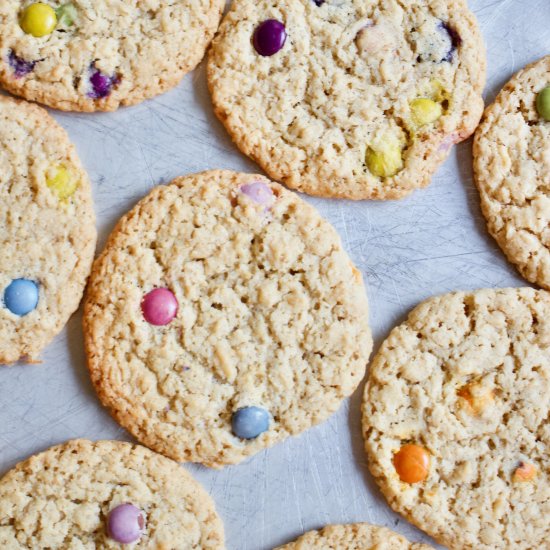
86 446
420 176
108 394
375 469
109 104
83 268
480 134
337 537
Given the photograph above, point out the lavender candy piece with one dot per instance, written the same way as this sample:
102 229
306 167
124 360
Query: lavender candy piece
20 66
456 40
259 192
101 83
125 523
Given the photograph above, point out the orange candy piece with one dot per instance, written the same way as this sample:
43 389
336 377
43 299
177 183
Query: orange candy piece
524 472
412 463
477 397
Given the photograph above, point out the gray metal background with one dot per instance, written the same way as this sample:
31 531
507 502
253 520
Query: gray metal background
432 242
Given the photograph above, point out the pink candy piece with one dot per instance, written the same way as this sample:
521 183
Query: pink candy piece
259 192
159 306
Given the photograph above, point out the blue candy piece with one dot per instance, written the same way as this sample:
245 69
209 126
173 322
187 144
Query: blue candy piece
21 296
250 422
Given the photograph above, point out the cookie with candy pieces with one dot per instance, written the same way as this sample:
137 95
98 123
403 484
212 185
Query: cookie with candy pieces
47 230
222 317
357 99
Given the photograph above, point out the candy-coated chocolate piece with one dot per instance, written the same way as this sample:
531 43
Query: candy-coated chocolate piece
384 163
543 103
21 296
250 422
259 192
38 19
524 472
159 306
425 111
454 38
101 84
66 14
269 37
61 181
20 66
412 463
477 396
125 523
436 91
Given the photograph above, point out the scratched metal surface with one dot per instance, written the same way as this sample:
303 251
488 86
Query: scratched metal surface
432 242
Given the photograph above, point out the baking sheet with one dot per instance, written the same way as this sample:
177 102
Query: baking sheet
432 242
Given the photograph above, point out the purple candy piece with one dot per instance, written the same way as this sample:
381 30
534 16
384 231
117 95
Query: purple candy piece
269 37
125 523
101 84
259 192
20 66
455 40
318 3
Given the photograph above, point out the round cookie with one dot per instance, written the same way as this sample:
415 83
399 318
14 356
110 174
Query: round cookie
85 494
223 316
353 536
357 99
455 418
97 56
47 230
511 167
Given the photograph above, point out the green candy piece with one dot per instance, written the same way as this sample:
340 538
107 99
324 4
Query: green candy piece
543 103
66 14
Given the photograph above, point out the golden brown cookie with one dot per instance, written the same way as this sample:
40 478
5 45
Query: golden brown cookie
359 99
102 494
512 171
222 317
78 55
455 419
47 230
353 536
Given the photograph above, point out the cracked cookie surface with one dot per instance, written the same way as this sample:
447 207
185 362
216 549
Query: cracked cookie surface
353 536
104 54
466 379
335 111
262 312
512 172
47 230
61 498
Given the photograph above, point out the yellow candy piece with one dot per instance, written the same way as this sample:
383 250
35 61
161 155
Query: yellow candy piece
384 163
436 91
425 111
61 182
38 19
